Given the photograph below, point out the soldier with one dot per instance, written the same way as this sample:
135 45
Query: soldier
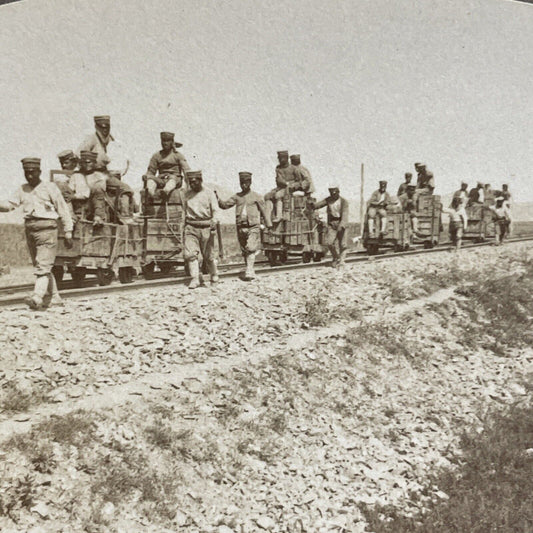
426 182
42 204
458 221
488 193
476 194
506 195
69 163
409 201
462 193
167 167
377 206
303 181
285 173
110 154
249 208
502 219
200 209
420 175
402 189
338 211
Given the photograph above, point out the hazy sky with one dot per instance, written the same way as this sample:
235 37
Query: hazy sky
386 83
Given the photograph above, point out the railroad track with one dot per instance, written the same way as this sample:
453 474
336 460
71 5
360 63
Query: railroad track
14 295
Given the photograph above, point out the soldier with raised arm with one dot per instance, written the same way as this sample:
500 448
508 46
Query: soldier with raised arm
42 205
249 208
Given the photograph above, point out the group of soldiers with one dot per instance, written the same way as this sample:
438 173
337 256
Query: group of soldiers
98 167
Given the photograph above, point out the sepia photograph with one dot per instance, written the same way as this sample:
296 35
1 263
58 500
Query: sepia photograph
266 266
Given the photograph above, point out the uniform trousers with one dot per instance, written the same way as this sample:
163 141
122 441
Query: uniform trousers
41 236
456 230
334 235
198 241
249 238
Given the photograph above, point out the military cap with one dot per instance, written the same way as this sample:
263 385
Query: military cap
333 185
284 153
102 119
245 175
166 136
86 154
65 154
295 158
381 182
408 175
479 183
464 183
193 174
418 165
31 162
505 185
411 186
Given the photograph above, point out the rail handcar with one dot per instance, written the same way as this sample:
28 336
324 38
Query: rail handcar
299 233
480 225
398 235
429 215
114 248
162 232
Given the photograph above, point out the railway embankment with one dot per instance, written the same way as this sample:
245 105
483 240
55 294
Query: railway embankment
319 400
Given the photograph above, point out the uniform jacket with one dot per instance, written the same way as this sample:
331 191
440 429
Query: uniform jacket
81 184
199 206
338 210
376 202
402 188
284 175
42 202
249 208
172 163
303 179
110 154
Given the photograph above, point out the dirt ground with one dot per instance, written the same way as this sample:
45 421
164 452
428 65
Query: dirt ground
286 404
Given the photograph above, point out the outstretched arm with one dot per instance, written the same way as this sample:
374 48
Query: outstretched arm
226 204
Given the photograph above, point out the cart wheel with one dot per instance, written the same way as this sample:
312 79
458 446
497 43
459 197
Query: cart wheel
428 244
125 274
186 269
306 257
165 267
406 246
398 248
148 270
282 256
105 276
57 272
272 258
317 257
373 249
78 276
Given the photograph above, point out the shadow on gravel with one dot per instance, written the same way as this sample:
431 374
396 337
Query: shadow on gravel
491 489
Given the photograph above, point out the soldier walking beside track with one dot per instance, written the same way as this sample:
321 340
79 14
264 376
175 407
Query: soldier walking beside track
42 204
200 209
458 221
167 167
502 219
249 208
338 211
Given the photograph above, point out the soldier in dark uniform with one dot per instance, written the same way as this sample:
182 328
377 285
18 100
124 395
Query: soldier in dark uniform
409 201
249 208
303 181
377 206
462 193
403 187
338 211
476 194
420 174
285 173
167 167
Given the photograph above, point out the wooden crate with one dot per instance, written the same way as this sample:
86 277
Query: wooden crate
162 236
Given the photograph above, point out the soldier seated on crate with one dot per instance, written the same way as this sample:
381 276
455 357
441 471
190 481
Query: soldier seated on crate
249 208
337 234
42 204
69 164
302 181
402 189
377 208
285 174
408 200
476 194
167 167
462 193
426 182
458 221
89 184
502 219
490 198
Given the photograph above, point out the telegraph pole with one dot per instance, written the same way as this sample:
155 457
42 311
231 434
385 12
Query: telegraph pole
362 201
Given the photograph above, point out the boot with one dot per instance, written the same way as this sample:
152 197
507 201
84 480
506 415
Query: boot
212 265
342 257
151 187
52 297
35 301
371 227
278 208
334 256
383 226
194 271
250 261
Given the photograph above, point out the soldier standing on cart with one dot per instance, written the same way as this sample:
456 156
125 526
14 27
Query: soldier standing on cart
167 167
285 174
337 235
42 204
200 208
249 208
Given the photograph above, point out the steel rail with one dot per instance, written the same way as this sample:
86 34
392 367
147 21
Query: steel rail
181 279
